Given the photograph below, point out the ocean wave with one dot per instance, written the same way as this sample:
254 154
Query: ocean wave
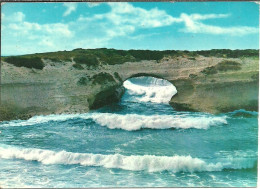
132 122
148 163
243 113
41 119
149 89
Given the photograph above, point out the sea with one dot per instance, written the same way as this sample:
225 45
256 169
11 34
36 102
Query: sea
140 141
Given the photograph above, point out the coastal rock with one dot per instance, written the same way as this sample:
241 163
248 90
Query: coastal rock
207 84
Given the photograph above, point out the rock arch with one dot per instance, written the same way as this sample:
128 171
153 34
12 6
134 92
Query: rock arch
199 89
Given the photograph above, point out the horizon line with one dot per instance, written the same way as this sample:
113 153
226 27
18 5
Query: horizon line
124 50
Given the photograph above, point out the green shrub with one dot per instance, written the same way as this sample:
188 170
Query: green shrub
82 81
225 65
89 60
209 70
147 54
33 62
79 49
229 53
193 76
118 77
77 66
102 78
114 58
228 65
255 76
55 59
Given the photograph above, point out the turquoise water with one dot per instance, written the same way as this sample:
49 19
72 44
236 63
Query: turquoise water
139 142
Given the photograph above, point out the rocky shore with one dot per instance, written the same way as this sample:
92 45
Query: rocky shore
208 84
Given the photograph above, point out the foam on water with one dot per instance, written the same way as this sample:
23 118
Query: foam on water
91 147
149 89
131 122
41 119
149 163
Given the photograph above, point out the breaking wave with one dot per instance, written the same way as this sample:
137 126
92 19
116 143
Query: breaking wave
131 122
149 89
41 119
149 163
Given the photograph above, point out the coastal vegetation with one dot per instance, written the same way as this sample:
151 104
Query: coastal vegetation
223 66
77 66
102 77
89 60
28 62
82 81
95 57
209 70
227 65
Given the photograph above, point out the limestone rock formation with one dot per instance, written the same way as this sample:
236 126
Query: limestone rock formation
211 84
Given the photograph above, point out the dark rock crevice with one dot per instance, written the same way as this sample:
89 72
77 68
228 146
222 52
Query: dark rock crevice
107 96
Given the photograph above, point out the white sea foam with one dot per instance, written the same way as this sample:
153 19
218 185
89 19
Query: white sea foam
149 163
150 89
132 122
41 119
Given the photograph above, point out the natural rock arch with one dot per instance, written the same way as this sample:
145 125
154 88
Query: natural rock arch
62 90
197 90
114 92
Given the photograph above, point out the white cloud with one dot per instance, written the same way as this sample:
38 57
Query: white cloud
127 14
207 16
123 20
45 29
70 8
194 26
16 17
20 36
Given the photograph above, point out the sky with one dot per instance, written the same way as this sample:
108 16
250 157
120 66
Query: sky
28 28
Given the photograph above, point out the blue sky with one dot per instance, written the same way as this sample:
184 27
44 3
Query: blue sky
46 27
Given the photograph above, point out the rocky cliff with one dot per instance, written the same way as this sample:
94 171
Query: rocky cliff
64 83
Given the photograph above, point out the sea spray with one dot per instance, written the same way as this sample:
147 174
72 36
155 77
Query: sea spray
148 163
149 89
131 122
